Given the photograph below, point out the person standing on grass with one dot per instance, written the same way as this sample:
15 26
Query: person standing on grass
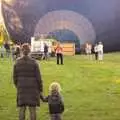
59 53
88 50
45 51
2 51
55 101
27 80
96 51
7 48
100 51
17 51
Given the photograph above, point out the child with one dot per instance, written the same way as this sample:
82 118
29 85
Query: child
55 102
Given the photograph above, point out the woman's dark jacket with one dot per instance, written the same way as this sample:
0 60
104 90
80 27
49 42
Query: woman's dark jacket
27 79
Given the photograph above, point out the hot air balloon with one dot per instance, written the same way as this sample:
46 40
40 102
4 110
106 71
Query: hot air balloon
86 20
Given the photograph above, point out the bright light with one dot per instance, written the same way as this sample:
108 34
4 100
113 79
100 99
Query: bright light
10 2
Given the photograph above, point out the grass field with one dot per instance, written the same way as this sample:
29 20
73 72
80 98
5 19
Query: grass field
91 89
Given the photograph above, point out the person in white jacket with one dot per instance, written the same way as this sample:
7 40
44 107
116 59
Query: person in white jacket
100 51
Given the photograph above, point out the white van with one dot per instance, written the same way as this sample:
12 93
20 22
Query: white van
37 47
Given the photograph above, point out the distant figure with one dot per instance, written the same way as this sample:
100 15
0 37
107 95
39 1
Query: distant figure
88 50
55 101
45 51
17 51
96 51
100 51
59 53
2 51
27 80
7 48
13 51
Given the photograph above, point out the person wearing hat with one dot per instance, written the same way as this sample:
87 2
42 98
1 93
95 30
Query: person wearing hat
28 83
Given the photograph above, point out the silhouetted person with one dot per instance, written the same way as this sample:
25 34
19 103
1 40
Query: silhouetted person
45 51
7 48
17 51
96 51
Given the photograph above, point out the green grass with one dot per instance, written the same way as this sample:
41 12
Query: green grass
91 89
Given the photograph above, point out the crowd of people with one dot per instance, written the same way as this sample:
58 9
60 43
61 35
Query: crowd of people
97 49
8 49
15 51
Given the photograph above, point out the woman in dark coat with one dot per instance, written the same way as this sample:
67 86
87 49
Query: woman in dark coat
27 79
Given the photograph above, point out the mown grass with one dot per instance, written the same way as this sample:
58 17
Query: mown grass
91 89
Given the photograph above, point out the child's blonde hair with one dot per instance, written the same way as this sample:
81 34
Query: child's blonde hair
55 86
